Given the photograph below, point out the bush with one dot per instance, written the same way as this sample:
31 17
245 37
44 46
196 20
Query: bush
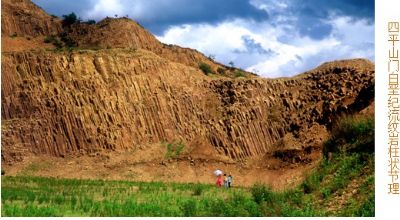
3 172
90 22
239 73
69 19
14 35
197 190
217 207
367 209
174 149
221 70
54 40
49 39
325 192
68 41
243 206
58 44
313 181
261 193
351 134
205 68
189 208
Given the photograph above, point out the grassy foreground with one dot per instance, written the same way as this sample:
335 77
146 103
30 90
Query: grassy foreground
342 185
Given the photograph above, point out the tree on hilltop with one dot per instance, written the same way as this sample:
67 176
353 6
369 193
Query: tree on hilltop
69 19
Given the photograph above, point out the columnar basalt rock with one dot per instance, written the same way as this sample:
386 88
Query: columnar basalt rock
62 102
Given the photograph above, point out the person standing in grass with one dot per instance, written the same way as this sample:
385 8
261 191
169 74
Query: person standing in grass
219 181
229 181
225 181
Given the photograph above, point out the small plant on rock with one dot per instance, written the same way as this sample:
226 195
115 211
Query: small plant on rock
174 149
239 73
205 68
14 35
49 39
221 70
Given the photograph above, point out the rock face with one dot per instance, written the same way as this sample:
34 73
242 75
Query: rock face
63 102
125 33
22 18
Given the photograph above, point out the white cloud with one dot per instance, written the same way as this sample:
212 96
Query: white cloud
270 6
349 39
220 40
290 52
136 9
103 8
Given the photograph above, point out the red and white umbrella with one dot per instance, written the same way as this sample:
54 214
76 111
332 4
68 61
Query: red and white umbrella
218 172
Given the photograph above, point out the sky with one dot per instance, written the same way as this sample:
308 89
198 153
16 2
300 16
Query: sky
272 38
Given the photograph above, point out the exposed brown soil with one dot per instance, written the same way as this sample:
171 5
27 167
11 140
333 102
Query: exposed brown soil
15 44
130 165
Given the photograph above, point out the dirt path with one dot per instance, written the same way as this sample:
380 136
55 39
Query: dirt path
132 166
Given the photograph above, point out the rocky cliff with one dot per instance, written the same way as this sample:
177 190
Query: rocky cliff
126 93
22 18
125 33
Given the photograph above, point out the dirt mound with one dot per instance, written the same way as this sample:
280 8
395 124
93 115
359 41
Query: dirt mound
10 44
113 33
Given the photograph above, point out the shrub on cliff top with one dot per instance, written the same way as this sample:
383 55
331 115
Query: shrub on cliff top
239 73
205 68
69 19
221 70
90 22
49 39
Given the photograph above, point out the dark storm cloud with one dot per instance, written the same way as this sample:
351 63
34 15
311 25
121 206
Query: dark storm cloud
304 32
320 9
158 15
253 47
353 8
205 11
63 7
312 14
313 26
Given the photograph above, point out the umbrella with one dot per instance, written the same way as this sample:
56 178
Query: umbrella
218 172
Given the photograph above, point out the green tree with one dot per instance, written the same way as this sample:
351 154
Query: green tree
90 22
69 19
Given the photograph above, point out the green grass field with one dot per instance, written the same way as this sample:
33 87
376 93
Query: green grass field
37 196
340 186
